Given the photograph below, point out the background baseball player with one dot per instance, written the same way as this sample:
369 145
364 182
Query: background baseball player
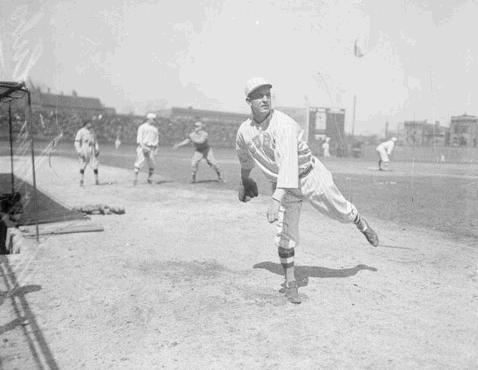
147 140
273 141
203 150
326 147
384 151
88 150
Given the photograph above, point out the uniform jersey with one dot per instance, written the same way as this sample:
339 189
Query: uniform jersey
199 140
276 146
85 141
387 146
147 135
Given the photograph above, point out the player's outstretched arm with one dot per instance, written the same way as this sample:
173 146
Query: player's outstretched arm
182 143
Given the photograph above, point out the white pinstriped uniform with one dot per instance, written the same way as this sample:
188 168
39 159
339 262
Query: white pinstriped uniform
276 146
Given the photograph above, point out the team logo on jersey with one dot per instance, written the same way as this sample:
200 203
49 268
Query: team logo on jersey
268 146
263 142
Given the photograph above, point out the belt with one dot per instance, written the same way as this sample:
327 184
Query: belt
306 171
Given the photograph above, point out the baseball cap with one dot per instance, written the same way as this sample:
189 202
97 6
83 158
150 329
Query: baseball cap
151 116
394 138
255 83
198 124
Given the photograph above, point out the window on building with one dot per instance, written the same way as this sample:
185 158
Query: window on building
461 129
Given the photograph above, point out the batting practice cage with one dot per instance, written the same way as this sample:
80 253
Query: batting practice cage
16 198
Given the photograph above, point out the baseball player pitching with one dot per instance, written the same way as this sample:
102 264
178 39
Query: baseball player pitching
384 151
88 150
202 150
273 142
147 139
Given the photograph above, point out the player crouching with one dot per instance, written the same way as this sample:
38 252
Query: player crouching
202 150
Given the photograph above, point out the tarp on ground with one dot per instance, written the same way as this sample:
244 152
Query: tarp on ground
49 210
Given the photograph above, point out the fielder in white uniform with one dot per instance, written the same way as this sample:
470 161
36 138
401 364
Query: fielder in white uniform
88 150
384 151
147 140
273 142
202 150
326 147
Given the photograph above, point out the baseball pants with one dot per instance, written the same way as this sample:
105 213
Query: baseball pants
320 190
208 155
383 155
86 158
144 155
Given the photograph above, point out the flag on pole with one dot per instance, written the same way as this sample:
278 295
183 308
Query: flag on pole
358 51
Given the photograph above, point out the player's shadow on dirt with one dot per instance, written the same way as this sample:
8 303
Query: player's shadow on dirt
159 182
207 182
395 247
302 273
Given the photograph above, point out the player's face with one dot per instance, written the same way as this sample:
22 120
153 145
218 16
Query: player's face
89 125
260 100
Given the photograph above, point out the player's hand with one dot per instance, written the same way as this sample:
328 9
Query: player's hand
175 146
247 190
273 211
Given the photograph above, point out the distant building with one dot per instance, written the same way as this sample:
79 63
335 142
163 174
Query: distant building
207 116
423 133
322 122
464 131
70 103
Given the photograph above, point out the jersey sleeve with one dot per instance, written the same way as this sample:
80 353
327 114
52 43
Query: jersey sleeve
245 159
288 157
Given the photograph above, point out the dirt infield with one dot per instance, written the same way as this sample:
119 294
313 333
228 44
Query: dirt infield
441 197
188 278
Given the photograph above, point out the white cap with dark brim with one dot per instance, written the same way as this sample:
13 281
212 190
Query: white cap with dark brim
255 83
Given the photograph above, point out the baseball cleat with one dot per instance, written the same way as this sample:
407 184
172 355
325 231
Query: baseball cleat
150 181
81 183
97 182
291 290
301 282
369 233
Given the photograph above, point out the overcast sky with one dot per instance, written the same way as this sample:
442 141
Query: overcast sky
419 56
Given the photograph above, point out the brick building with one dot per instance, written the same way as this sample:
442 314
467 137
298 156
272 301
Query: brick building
71 103
464 131
206 116
422 133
